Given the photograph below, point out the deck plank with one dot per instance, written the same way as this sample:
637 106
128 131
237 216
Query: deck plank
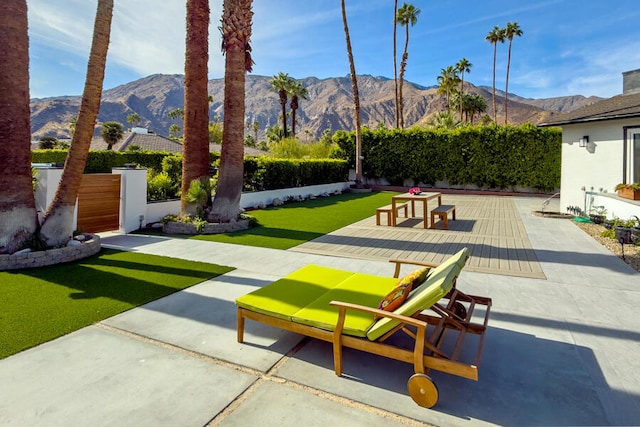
490 226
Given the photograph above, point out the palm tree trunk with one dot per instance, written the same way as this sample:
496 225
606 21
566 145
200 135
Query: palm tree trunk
236 32
57 227
461 92
495 52
356 98
195 151
403 68
18 219
283 104
506 89
395 60
293 119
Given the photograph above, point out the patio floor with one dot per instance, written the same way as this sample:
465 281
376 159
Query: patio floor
490 226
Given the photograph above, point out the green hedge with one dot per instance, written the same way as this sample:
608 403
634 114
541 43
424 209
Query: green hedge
102 161
266 173
260 173
486 156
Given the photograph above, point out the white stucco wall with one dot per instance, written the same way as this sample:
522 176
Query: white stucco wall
598 168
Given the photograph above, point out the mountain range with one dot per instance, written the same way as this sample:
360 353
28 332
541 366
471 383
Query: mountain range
329 105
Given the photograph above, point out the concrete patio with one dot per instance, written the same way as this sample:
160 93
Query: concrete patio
560 351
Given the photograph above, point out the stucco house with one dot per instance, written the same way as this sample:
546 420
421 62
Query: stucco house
145 141
600 149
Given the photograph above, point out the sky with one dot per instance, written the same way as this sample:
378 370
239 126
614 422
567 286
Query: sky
568 47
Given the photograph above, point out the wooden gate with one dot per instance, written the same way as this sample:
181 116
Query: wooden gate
99 203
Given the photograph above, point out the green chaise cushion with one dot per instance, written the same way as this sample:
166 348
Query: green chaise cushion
362 289
438 284
288 295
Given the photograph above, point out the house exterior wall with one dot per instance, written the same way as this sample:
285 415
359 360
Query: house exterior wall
589 174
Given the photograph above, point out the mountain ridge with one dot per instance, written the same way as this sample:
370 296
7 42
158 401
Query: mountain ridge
329 104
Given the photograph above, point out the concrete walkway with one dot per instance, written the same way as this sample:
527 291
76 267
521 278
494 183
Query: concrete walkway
560 351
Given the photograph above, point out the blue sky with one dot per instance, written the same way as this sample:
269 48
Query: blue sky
569 47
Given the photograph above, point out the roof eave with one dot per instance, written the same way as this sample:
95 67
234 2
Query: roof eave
590 120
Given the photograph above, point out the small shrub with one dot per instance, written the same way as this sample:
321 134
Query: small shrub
159 186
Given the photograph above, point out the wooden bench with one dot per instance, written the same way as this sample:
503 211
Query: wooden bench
387 209
443 211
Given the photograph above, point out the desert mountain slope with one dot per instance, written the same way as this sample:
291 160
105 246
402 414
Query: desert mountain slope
330 104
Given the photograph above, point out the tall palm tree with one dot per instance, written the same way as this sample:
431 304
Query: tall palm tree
407 15
281 83
395 59
448 82
18 219
236 35
57 227
510 31
195 149
496 35
356 97
463 66
297 91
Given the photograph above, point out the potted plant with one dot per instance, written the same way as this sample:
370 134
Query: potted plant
623 230
628 191
635 231
598 214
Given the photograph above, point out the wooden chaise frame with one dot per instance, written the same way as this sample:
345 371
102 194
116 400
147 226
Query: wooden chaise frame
454 316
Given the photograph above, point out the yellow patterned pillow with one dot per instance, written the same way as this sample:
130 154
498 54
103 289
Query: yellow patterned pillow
399 294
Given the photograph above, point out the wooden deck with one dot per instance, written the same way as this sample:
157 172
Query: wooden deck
490 226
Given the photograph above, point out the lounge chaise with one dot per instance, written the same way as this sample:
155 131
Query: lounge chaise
347 309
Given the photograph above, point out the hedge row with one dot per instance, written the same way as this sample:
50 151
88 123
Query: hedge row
266 173
102 161
486 156
260 173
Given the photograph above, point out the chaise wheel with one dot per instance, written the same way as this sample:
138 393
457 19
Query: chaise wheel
460 310
423 390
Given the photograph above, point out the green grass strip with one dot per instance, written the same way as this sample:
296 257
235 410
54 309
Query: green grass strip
289 225
38 305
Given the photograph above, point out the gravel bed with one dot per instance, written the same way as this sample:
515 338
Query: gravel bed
631 251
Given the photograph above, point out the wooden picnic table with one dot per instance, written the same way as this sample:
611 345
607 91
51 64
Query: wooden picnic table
423 197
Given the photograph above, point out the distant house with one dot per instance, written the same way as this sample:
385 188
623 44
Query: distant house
140 138
600 149
144 141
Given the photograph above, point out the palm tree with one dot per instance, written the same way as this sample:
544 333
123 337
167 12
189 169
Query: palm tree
296 91
512 29
356 97
407 14
18 219
448 82
395 59
281 83
195 149
463 66
476 104
133 119
112 133
236 34
255 127
444 120
496 35
57 227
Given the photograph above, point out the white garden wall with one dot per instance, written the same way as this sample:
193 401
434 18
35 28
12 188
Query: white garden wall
136 212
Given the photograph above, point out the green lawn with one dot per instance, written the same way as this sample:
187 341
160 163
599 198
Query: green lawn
38 305
289 225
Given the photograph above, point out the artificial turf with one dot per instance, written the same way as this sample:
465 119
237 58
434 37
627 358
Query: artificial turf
289 225
38 305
